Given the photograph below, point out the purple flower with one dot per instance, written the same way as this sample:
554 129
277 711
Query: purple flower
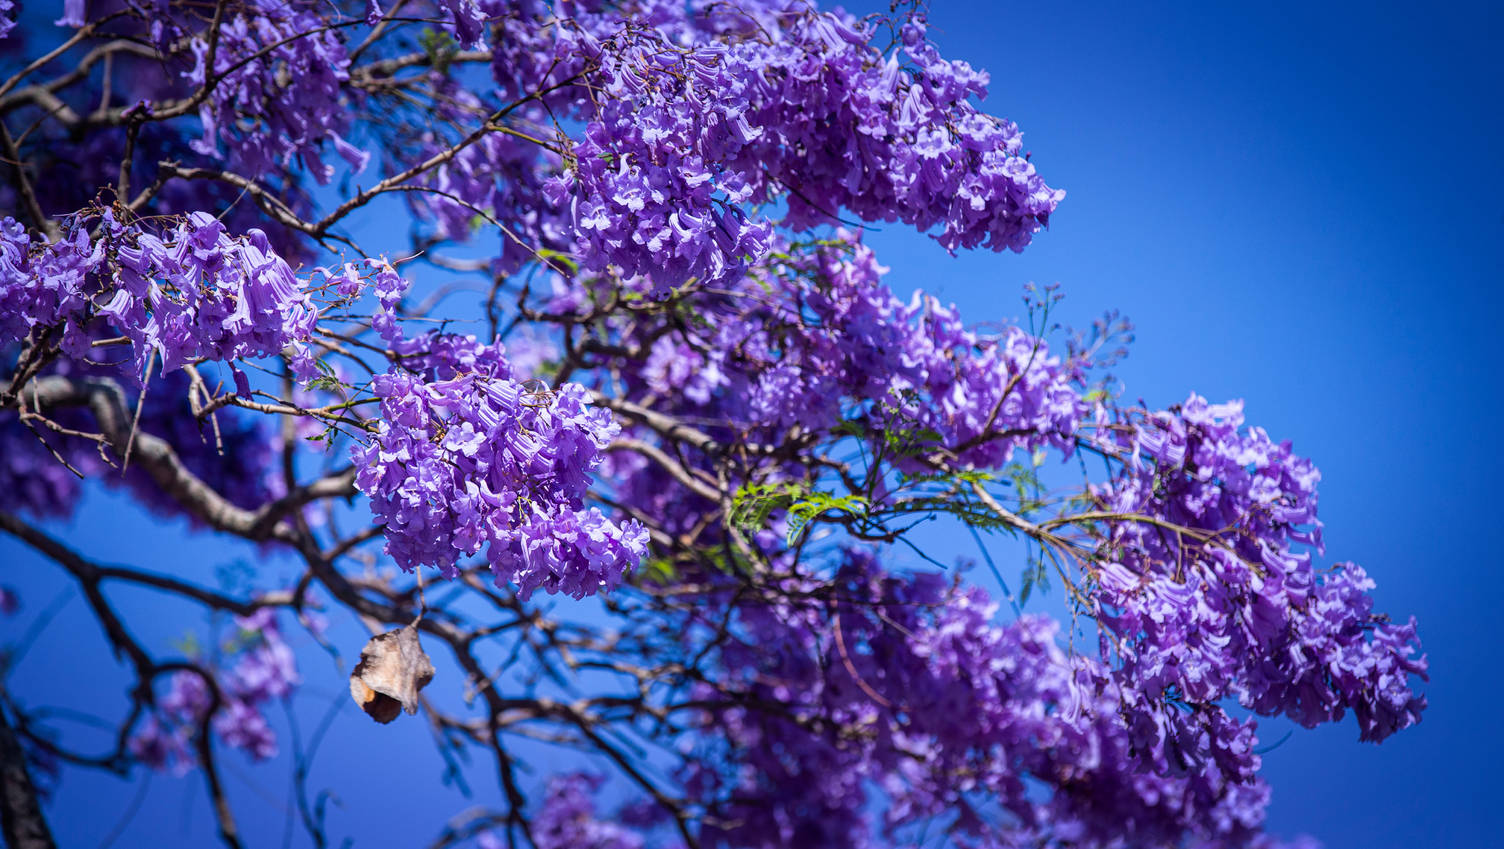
160 747
466 460
243 727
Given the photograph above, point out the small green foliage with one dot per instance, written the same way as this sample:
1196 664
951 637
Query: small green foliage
328 380
1035 575
892 440
754 504
659 570
327 383
806 509
559 258
325 436
966 476
1026 483
189 645
440 48
850 427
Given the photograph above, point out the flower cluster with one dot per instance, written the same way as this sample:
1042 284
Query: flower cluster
646 194
817 116
889 139
278 75
686 130
42 286
907 687
191 293
818 340
473 461
264 670
465 457
1229 604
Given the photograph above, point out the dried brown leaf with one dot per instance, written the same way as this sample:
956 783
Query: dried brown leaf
392 669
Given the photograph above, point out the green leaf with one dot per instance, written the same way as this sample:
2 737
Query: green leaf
559 258
754 504
660 571
796 528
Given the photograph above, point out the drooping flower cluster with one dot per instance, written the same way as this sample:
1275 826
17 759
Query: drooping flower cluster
818 116
191 293
694 116
42 288
264 670
890 139
906 686
278 75
1232 606
465 457
472 461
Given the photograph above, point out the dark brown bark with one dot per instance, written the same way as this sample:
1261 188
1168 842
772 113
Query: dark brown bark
21 817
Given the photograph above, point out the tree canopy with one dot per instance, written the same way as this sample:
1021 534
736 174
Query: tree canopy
614 438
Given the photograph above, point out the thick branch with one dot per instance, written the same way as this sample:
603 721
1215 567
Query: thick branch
107 402
24 826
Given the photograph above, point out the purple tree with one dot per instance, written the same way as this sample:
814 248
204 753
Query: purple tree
695 399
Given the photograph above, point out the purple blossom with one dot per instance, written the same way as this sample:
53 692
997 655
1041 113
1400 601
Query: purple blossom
567 818
268 670
906 686
196 294
160 747
73 14
261 667
471 461
280 91
243 727
187 698
1233 607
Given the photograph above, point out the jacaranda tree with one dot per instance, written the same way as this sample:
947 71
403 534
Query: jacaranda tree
616 437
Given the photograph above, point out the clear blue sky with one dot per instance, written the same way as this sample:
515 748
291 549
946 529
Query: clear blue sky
1301 205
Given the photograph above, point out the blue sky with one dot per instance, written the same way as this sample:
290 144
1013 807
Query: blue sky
1300 205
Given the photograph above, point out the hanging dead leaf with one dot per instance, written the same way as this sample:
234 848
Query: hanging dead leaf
392 669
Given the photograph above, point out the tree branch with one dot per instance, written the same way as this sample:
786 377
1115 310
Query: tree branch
24 826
